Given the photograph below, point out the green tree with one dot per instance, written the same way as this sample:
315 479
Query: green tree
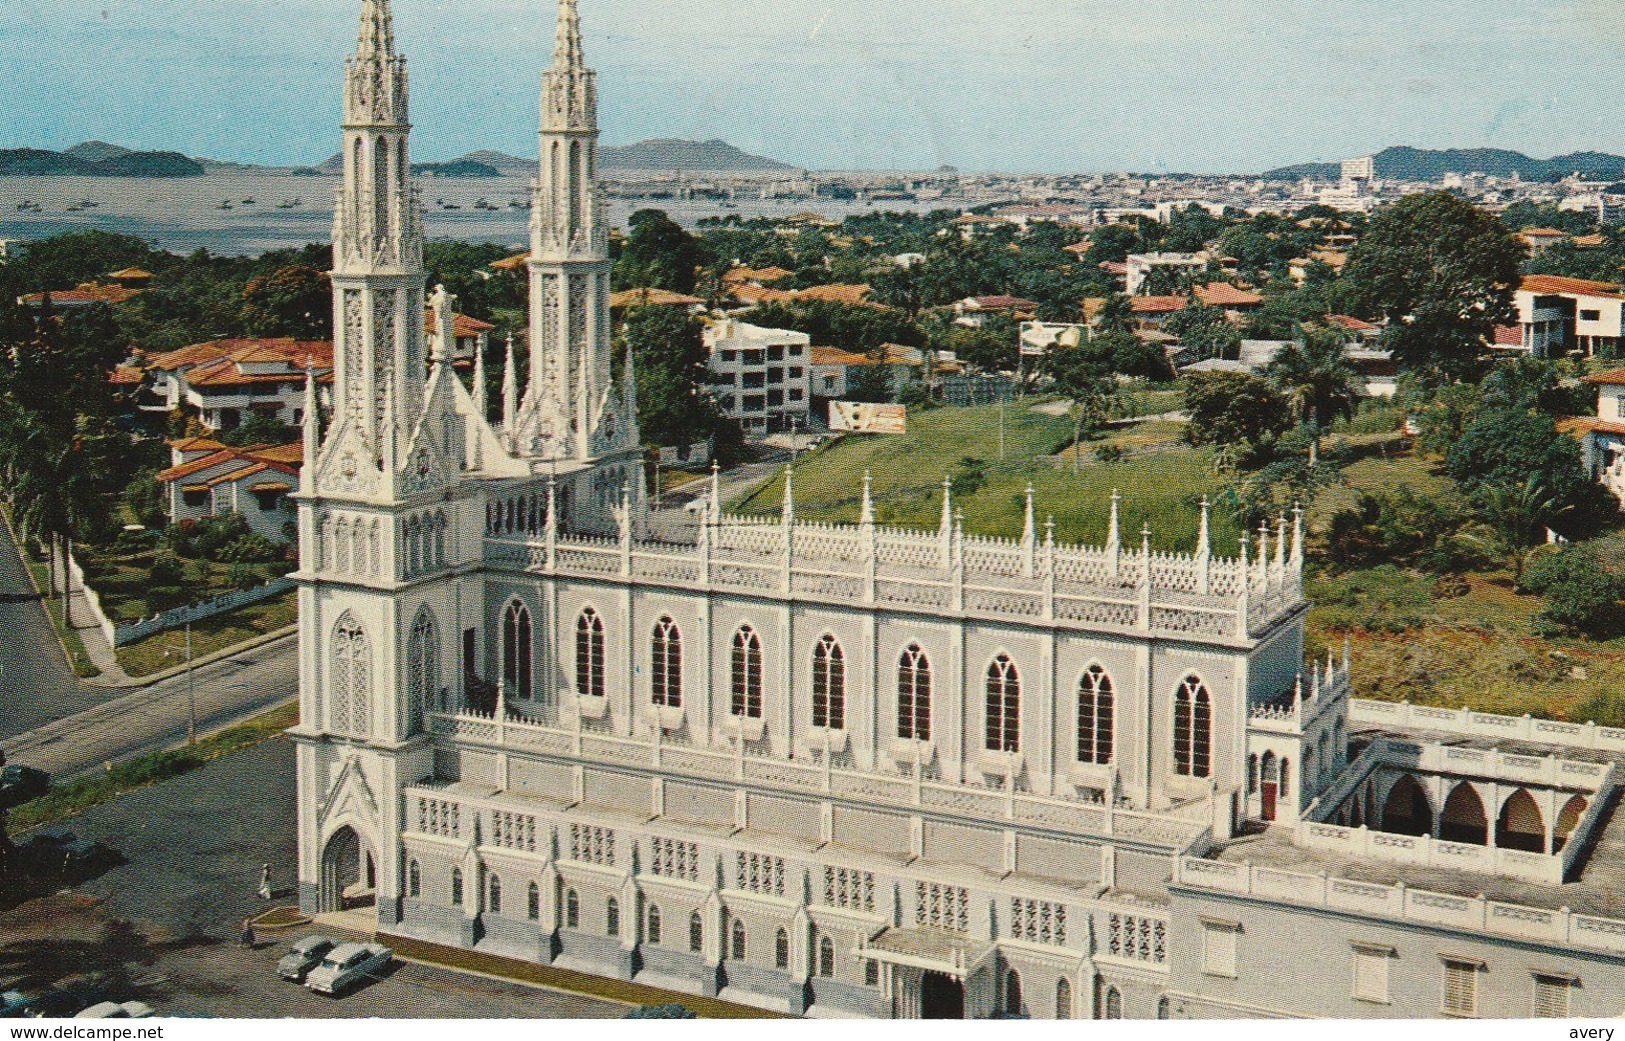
1082 376
658 254
1582 593
1235 412
1320 385
669 353
1442 272
293 301
1521 452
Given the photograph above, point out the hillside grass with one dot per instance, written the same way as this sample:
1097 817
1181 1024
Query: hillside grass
145 656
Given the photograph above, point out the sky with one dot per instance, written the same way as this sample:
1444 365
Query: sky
1021 85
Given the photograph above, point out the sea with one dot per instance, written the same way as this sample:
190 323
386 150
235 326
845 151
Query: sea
246 213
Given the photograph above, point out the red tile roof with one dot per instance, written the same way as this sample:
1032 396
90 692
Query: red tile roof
1507 336
651 298
1556 285
1223 294
1611 378
1352 324
1156 304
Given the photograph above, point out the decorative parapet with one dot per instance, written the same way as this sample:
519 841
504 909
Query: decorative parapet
999 807
1466 722
1195 596
1559 928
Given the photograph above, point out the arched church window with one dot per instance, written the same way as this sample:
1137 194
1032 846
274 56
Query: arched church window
422 670
414 879
612 917
572 909
1063 998
1095 716
737 941
747 674
781 949
1112 1005
829 684
914 694
590 654
516 648
1003 705
351 678
666 660
457 887
493 895
826 957
1012 992
652 927
380 188
533 901
696 932
1193 729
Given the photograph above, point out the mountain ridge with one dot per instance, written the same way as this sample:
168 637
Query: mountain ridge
1406 163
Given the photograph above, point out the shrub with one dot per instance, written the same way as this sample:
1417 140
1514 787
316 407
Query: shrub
251 549
1582 596
166 569
242 576
214 534
1109 453
162 598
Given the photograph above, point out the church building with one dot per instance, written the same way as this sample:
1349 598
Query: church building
849 770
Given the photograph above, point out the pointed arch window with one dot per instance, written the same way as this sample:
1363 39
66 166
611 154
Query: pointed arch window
1012 993
380 188
456 887
414 879
746 674
914 694
351 678
572 909
826 957
1063 999
493 895
1095 715
696 932
516 649
666 660
651 933
1193 729
590 654
736 938
1003 705
422 670
612 917
829 684
533 901
781 950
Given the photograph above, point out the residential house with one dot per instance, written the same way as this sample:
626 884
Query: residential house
974 310
209 479
225 381
1557 315
1602 437
1139 266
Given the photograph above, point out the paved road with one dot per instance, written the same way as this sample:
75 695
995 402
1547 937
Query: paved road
36 685
192 849
153 718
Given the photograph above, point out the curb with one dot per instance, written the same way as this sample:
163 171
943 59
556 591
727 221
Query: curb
56 631
208 659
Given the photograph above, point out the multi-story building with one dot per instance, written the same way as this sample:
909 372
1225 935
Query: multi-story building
1557 315
855 770
761 377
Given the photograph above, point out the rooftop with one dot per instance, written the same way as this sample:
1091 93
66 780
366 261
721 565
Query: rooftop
1555 285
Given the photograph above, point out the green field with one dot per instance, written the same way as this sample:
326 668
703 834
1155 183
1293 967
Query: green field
1162 488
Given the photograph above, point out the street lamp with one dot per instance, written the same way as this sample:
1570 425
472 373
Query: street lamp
191 700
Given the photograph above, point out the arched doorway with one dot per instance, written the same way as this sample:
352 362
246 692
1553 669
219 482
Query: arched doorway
1407 811
1270 785
941 997
349 872
1567 818
1521 825
1463 818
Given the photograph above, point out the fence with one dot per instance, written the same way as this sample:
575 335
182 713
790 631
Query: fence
176 617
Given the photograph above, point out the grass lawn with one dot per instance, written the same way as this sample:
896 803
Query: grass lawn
1163 490
121 579
69 799
146 656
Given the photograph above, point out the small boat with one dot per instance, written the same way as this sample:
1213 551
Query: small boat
250 201
450 206
225 205
75 208
89 204
288 204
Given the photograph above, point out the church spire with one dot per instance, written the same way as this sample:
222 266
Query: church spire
377 36
567 52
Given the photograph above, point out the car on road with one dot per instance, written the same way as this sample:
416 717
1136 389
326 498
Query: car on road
117 1010
302 957
12 1004
347 965
19 784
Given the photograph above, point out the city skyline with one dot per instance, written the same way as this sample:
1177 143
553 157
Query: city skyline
843 86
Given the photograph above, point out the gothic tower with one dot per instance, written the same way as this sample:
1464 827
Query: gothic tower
571 411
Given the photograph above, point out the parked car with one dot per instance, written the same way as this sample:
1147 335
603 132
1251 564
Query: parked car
104 1010
12 1004
63 852
346 965
670 1010
64 1001
18 784
302 957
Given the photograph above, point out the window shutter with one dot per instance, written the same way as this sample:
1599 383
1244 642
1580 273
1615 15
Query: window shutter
1371 974
1461 988
1551 997
1219 948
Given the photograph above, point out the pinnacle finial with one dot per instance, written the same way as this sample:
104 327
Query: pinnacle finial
1202 540
868 514
567 51
947 505
1113 537
789 512
377 35
1029 530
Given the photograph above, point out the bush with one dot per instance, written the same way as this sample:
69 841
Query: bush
131 542
165 570
146 499
1110 453
162 598
252 549
242 576
213 534
1582 596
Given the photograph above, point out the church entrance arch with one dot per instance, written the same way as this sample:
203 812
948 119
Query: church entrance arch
349 872
941 997
1269 786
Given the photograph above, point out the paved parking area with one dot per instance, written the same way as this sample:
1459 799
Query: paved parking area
166 917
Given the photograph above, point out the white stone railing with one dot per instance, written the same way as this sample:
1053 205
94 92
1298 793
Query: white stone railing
998 806
996 579
1425 851
1432 757
1468 723
1560 928
1324 689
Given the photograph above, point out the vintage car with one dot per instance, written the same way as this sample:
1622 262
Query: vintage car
302 957
347 965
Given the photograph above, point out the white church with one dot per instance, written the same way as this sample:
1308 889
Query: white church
850 770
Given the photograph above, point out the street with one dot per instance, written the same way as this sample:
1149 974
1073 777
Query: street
165 918
36 685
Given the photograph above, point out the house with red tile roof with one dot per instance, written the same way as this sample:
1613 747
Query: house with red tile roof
226 381
1602 436
1557 315
209 479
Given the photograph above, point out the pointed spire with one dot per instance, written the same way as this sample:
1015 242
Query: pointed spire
787 513
444 343
1203 540
1297 535
1345 654
479 384
510 392
713 505
1113 536
1280 543
947 523
377 36
1263 544
312 425
1029 530
867 516
1049 532
1145 541
567 52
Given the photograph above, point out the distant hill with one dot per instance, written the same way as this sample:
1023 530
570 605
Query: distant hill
1403 163
457 168
677 154
96 159
502 161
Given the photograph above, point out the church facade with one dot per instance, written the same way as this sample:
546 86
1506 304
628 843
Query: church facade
852 770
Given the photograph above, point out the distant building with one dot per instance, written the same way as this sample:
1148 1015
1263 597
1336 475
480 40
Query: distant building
1362 169
1539 240
1138 267
760 377
1557 315
974 310
209 479
1602 437
223 382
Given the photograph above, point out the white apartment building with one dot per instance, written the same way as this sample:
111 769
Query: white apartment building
1140 266
760 377
1557 315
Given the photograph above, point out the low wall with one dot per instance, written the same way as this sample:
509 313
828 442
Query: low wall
179 616
1484 724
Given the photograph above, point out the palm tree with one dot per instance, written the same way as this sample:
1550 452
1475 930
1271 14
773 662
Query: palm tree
1519 513
1319 383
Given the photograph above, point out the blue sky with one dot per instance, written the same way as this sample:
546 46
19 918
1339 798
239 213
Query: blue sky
1085 85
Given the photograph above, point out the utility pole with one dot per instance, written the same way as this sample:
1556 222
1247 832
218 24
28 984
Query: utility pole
191 698
1001 428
